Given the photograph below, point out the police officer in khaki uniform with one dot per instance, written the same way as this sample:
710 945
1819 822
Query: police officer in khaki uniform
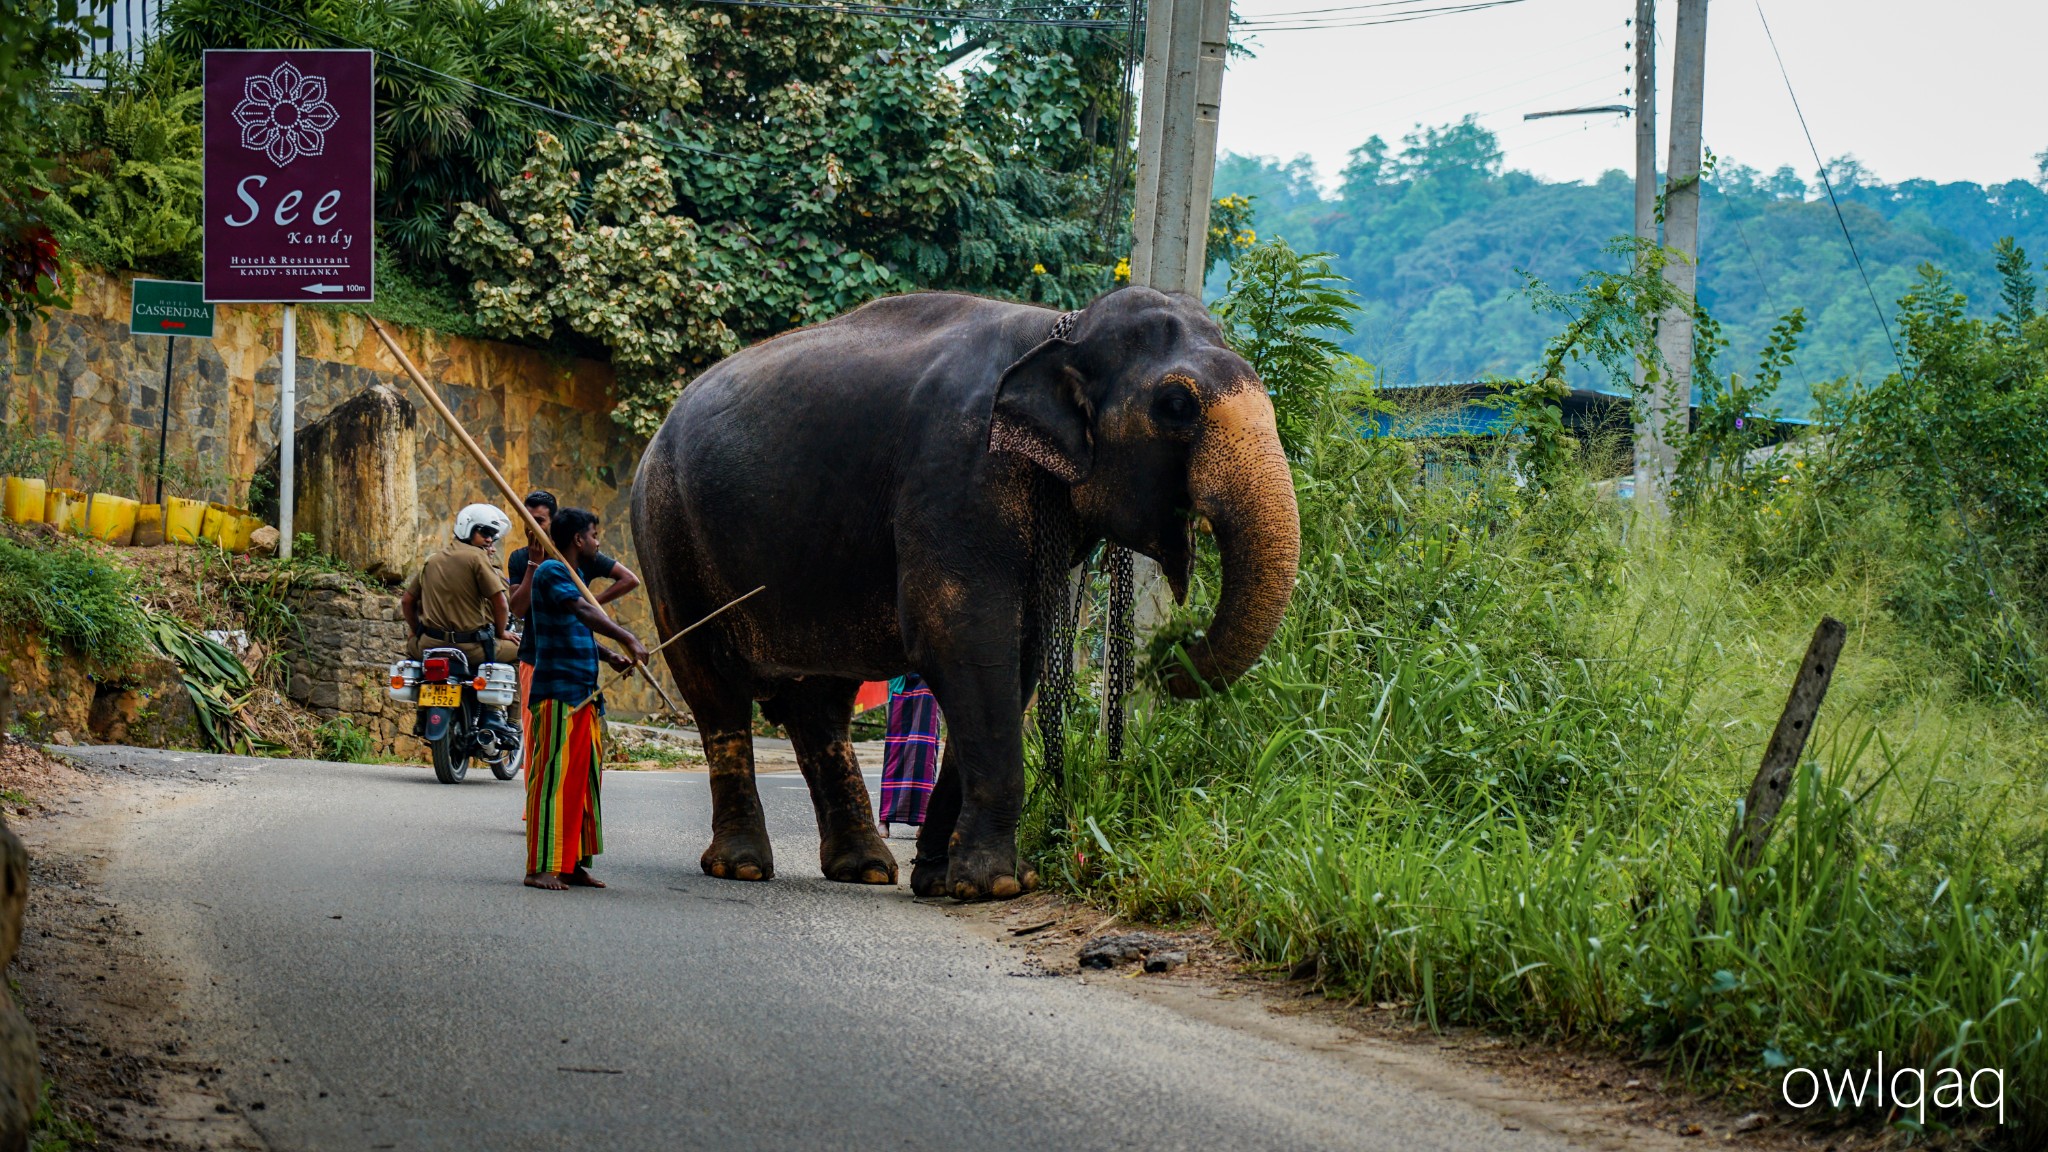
460 600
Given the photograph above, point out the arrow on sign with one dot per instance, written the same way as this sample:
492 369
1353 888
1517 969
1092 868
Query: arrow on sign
325 288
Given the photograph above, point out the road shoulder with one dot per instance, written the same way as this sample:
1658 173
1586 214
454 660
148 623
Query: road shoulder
1595 1099
112 1018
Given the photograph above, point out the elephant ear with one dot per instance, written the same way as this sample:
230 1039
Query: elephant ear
1042 413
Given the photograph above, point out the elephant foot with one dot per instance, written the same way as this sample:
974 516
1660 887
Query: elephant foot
739 857
928 877
988 876
858 856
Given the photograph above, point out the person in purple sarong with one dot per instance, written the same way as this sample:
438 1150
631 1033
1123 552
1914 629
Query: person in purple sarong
910 754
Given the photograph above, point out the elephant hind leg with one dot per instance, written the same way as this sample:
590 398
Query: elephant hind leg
817 712
724 711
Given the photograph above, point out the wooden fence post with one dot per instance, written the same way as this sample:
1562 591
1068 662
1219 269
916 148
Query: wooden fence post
1781 756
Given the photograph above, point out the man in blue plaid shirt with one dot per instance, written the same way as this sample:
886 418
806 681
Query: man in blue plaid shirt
563 826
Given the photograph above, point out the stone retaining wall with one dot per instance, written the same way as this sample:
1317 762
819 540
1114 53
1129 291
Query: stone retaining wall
352 634
543 417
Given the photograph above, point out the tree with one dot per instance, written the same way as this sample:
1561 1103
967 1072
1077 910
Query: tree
1280 314
125 191
1437 209
443 137
830 158
37 38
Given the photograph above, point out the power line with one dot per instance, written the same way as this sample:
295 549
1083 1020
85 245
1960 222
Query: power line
1463 97
1487 72
934 15
1285 24
2006 612
1341 8
1829 185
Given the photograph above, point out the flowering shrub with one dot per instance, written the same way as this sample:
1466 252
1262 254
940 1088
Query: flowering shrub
623 270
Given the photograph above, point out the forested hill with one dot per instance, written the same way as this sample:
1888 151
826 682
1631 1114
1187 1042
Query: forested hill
1435 235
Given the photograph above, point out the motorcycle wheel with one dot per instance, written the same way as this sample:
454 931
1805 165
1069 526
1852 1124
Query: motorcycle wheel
449 766
507 767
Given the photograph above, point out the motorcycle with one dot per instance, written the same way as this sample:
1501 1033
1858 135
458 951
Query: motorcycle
451 699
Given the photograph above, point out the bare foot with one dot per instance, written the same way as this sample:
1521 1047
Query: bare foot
546 880
582 878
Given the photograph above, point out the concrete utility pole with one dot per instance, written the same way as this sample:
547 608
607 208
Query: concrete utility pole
1185 45
1185 42
1670 403
1649 430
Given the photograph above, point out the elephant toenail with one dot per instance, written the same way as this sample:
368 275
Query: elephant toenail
749 872
1005 887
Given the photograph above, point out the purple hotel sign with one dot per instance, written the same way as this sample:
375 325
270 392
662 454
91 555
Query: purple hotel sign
290 175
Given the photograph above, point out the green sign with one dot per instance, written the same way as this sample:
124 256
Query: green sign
170 308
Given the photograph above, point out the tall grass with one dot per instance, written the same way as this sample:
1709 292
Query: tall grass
73 598
1487 766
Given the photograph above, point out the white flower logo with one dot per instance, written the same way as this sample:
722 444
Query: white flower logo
285 114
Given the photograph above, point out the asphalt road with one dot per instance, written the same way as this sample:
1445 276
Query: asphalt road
374 976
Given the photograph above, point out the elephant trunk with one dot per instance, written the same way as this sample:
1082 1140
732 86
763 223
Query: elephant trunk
1239 481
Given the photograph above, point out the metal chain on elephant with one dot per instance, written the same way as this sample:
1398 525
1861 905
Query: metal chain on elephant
1116 648
1052 550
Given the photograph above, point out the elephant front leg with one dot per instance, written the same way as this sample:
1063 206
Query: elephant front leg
985 752
739 847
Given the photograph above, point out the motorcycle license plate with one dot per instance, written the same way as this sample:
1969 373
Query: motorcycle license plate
440 695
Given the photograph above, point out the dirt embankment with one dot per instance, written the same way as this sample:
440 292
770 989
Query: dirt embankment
108 1014
50 693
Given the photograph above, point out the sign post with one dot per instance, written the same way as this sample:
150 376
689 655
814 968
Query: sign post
168 308
290 180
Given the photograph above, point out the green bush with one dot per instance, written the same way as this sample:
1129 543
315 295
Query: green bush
74 599
126 186
342 740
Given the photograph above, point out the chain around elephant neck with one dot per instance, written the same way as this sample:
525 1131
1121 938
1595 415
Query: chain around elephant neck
1058 622
1052 553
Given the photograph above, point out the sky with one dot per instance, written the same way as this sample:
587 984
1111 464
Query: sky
1943 90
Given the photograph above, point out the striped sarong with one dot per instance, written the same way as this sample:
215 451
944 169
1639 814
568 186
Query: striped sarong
563 827
910 753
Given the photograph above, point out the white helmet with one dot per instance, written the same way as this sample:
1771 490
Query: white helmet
478 516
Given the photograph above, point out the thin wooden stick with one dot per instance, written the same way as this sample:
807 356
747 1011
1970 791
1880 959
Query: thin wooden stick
476 453
678 636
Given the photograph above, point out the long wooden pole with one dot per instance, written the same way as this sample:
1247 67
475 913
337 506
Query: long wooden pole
476 453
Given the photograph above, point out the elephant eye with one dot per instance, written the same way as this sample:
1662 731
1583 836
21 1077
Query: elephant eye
1175 406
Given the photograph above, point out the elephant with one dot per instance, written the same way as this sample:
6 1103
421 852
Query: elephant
894 478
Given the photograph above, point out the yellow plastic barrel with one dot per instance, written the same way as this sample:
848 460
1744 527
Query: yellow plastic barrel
66 508
149 526
24 499
250 523
183 519
112 518
232 533
210 522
